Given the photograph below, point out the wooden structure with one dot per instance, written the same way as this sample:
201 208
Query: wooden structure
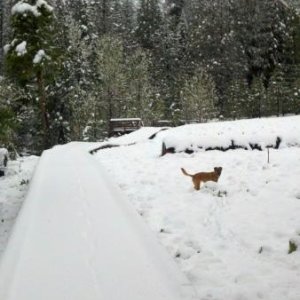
124 126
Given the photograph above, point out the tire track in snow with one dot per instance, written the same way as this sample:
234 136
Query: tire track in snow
87 234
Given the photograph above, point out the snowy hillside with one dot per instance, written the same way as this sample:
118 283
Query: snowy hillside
231 238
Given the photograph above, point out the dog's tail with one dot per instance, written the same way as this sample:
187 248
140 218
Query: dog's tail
185 173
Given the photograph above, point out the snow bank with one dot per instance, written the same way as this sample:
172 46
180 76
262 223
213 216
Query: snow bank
77 238
13 189
248 134
141 135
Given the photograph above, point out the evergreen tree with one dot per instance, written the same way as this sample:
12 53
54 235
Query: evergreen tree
257 98
5 7
263 33
111 90
140 96
149 20
7 118
128 24
172 63
244 101
283 92
198 98
237 103
15 107
31 56
79 82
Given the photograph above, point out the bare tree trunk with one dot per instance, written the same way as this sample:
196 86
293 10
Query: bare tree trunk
43 108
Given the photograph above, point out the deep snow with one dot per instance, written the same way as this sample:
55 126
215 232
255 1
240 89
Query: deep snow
77 238
231 238
13 188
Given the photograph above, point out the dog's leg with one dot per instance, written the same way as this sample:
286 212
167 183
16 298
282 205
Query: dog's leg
197 184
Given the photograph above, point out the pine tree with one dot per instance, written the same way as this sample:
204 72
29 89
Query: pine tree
149 20
140 96
31 56
5 7
14 105
128 24
79 83
111 91
257 98
237 103
1 36
7 122
263 33
198 98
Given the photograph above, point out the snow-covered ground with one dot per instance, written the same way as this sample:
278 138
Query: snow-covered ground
13 188
77 237
231 238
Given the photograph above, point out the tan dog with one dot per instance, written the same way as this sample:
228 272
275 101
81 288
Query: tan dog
204 176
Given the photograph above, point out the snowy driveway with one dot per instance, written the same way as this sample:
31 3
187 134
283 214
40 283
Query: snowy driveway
76 237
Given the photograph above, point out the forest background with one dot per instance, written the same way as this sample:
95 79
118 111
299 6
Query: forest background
68 67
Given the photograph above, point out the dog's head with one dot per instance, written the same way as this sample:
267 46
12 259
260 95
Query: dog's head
218 170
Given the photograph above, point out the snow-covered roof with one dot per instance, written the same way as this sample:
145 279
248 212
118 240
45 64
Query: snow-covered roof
125 119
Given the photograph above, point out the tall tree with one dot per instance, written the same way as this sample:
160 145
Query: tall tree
263 34
198 98
149 20
31 56
140 99
111 71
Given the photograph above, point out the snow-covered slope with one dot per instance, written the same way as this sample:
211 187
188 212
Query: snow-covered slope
13 188
76 237
230 238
